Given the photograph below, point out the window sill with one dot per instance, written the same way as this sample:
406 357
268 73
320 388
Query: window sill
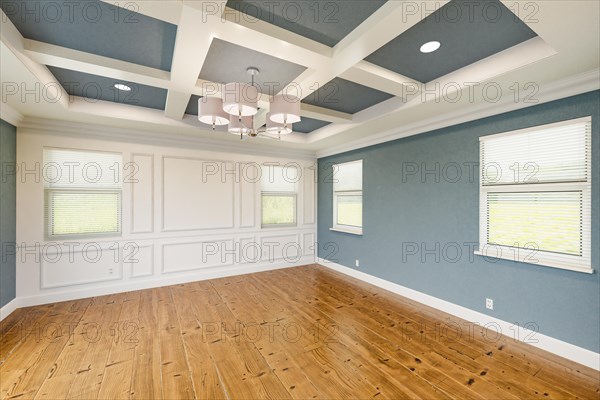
352 231
541 261
84 237
272 226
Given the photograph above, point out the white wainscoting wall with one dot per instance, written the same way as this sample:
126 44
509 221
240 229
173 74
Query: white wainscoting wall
181 221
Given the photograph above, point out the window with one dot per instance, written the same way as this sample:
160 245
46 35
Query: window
347 197
535 195
278 195
82 193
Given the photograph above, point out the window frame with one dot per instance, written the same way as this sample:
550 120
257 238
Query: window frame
352 229
579 263
48 209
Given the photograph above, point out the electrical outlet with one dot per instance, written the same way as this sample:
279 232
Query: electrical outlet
357 263
489 304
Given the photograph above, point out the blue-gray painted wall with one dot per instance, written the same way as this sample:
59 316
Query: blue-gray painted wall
401 209
8 212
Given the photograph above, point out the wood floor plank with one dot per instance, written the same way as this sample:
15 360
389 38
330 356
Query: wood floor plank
418 352
146 381
39 351
203 371
360 361
505 370
313 355
260 329
470 348
17 328
524 357
68 364
176 382
391 354
238 361
116 379
199 340
100 334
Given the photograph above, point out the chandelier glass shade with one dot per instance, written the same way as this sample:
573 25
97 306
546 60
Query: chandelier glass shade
239 104
242 127
276 128
240 99
210 111
285 109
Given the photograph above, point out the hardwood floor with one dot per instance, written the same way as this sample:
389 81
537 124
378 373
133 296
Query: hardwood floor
303 332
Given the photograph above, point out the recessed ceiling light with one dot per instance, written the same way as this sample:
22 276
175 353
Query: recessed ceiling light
122 87
430 47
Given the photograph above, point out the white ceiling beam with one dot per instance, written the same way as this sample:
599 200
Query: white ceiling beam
261 36
324 114
471 78
14 41
270 39
518 56
191 48
62 57
48 54
385 24
176 104
382 79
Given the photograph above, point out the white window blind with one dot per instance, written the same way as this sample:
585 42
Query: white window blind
347 177
535 195
348 197
279 187
82 193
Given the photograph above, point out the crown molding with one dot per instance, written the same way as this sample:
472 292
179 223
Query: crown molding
10 115
127 135
577 84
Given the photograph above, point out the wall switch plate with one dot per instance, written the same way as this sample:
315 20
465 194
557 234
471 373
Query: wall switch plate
357 263
489 304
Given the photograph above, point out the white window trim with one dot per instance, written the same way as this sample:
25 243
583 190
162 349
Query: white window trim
492 252
356 230
48 236
294 195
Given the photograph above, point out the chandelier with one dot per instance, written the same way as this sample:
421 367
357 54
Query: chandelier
239 105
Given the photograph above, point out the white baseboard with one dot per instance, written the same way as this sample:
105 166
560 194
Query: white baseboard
550 344
9 308
157 281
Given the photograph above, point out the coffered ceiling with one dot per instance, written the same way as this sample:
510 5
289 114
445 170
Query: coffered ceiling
356 64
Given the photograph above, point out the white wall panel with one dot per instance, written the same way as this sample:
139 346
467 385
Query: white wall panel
195 197
179 257
140 174
79 264
309 179
248 187
195 201
140 260
308 243
249 251
278 247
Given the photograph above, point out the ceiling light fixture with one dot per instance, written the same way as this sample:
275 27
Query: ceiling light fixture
276 128
122 87
239 105
430 47
210 111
